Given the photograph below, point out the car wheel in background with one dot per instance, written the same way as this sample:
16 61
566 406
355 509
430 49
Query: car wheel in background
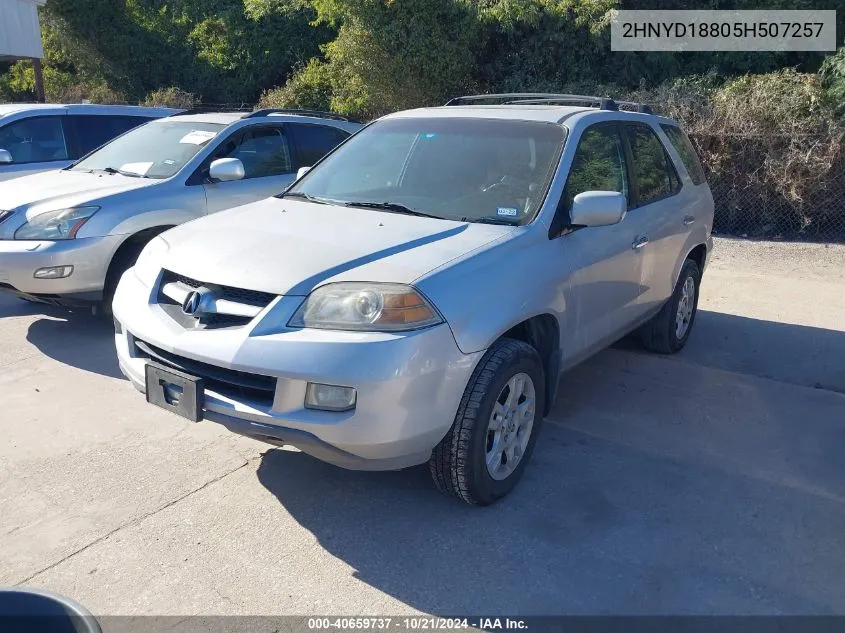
122 261
667 331
484 454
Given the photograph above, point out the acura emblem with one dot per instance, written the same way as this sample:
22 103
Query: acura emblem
192 302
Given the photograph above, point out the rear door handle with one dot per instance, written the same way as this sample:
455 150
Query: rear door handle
690 219
639 243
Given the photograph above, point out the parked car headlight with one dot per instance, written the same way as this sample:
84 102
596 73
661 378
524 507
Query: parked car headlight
148 264
373 307
62 224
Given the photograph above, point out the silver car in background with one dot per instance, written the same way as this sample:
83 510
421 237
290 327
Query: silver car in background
38 137
415 296
67 235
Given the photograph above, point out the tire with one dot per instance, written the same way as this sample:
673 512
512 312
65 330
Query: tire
123 261
663 334
459 463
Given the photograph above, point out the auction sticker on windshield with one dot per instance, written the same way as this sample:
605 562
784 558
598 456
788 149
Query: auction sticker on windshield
137 168
198 137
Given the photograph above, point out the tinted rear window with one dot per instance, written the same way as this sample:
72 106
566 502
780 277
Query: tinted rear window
686 151
652 171
90 131
314 141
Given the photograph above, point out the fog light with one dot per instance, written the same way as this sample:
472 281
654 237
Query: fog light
329 397
53 272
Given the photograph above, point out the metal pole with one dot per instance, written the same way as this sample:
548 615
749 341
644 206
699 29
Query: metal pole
39 80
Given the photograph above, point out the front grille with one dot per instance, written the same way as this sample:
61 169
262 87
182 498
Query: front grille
238 295
218 320
214 320
239 385
4 215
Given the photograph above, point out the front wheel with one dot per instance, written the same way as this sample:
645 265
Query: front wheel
491 440
123 260
667 332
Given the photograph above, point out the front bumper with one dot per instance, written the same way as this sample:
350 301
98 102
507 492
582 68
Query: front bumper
409 385
90 257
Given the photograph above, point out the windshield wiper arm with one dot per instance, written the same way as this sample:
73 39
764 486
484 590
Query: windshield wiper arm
112 170
393 207
489 221
304 196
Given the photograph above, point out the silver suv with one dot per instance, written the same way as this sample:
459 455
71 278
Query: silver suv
66 236
416 295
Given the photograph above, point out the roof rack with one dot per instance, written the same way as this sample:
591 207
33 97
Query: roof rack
636 106
540 98
210 110
301 112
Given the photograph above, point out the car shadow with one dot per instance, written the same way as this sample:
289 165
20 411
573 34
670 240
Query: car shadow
75 338
797 354
678 508
78 340
11 306
595 527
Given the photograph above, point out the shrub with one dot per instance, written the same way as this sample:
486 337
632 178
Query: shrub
309 87
833 80
59 86
91 92
773 147
171 97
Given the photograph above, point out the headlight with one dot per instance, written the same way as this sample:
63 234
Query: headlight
62 224
368 307
148 264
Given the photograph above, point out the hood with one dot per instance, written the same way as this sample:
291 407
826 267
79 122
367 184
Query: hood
289 247
60 189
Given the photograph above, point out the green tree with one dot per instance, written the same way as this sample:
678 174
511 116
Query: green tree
833 80
214 48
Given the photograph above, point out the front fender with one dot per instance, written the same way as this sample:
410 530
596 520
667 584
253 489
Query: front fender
485 295
152 219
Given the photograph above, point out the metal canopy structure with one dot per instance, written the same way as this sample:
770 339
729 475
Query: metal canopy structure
20 35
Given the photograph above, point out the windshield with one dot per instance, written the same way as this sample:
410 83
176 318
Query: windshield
458 169
155 150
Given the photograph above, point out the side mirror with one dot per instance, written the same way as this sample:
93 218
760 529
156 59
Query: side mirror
5 156
598 208
225 169
301 172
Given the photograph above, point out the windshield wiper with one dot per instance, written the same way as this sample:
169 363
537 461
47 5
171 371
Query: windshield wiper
304 196
489 221
112 170
393 207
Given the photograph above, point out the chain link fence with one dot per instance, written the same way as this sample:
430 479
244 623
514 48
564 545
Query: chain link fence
750 212
776 188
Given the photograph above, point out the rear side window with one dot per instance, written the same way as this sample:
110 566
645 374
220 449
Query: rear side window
90 131
686 151
34 140
651 170
598 164
314 141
